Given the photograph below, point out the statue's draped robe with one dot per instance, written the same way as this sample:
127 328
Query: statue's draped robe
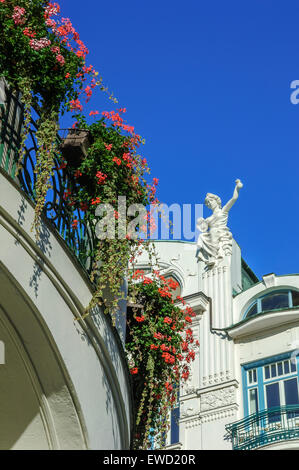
214 243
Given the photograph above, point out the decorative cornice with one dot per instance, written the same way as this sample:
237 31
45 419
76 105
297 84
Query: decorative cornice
192 423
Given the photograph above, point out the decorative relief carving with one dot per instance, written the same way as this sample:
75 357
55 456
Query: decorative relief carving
217 398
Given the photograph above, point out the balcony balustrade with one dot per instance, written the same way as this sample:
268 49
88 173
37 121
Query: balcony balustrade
265 428
57 210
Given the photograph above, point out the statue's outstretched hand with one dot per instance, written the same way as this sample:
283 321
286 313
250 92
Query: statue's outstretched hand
239 184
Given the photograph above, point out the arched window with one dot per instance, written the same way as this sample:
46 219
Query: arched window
275 300
178 290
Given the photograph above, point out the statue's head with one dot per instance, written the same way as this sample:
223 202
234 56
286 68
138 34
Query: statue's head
212 201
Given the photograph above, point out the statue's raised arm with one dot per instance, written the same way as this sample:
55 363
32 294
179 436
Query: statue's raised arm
232 201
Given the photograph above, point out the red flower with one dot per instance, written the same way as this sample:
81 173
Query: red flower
140 319
76 105
158 335
147 280
167 320
93 113
154 346
77 174
95 201
108 146
116 160
101 177
168 386
134 370
164 293
185 375
188 319
75 223
27 31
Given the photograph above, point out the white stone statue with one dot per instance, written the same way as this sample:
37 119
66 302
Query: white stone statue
215 240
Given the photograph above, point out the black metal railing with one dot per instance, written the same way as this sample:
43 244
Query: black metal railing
265 427
80 238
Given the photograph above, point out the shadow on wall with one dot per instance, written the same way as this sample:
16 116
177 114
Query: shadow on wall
36 409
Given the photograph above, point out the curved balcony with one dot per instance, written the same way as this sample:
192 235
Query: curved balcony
265 428
58 212
67 382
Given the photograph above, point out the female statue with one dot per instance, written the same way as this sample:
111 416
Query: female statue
215 239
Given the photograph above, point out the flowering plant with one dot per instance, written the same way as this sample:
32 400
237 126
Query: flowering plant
159 349
42 56
112 167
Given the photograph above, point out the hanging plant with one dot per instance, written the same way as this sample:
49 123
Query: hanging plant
159 348
109 167
42 56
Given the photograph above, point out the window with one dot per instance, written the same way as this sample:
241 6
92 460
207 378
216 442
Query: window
253 401
273 301
174 423
175 429
271 383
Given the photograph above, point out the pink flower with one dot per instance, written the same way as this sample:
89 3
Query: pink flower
50 23
55 49
52 9
18 15
38 44
60 59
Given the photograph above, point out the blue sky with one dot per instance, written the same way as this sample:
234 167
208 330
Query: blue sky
207 83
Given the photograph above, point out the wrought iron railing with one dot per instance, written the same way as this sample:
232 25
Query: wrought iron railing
265 427
59 213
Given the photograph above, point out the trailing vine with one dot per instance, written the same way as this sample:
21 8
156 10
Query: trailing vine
46 136
25 87
159 351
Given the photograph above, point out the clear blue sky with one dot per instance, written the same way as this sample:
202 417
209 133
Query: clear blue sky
207 83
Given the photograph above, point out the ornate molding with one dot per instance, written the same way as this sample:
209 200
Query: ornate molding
193 423
216 378
218 398
219 414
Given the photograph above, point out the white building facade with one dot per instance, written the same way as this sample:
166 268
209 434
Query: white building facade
242 392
